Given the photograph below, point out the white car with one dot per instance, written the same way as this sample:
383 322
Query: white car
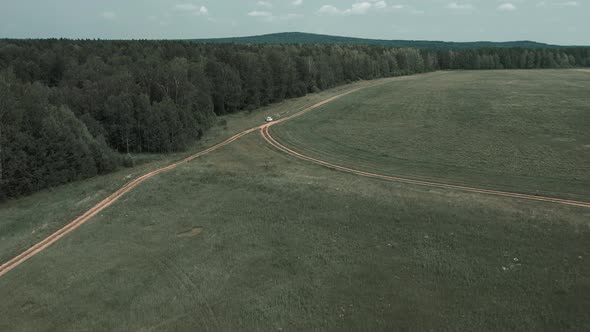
269 119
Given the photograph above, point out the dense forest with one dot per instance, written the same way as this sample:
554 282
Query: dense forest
72 109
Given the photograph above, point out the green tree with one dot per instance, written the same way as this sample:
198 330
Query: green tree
7 104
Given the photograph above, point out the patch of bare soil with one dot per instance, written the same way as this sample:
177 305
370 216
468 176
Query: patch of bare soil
192 233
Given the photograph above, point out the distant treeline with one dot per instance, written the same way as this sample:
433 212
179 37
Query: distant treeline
514 58
312 38
74 109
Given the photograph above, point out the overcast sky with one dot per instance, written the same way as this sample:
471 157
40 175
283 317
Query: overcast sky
551 21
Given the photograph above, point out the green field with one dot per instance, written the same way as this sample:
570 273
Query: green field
525 131
248 238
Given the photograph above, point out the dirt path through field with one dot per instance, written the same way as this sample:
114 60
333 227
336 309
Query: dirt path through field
51 239
16 261
264 130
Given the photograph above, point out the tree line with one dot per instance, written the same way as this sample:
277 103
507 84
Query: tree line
514 58
312 38
72 109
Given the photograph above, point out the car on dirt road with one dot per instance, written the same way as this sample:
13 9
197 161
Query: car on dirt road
269 119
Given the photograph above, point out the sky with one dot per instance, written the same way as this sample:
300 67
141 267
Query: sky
561 22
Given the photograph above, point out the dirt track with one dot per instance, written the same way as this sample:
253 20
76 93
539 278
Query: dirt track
267 136
16 261
24 256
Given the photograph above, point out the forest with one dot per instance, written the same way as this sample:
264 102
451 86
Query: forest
313 38
73 109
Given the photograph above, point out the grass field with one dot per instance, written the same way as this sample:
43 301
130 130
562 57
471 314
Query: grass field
525 131
249 238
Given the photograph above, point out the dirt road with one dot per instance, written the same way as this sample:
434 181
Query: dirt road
16 261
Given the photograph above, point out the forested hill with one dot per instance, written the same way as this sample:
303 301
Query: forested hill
310 38
72 109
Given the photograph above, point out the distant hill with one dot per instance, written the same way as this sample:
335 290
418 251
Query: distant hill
310 38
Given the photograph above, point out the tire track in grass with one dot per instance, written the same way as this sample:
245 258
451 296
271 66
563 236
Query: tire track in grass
264 130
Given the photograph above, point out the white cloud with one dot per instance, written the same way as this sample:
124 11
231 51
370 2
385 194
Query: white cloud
257 13
380 4
329 10
357 8
108 15
264 4
270 17
202 11
457 6
188 7
507 7
192 9
297 3
360 8
546 4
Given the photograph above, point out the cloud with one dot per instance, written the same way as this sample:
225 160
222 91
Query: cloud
270 17
457 6
186 7
380 4
297 3
264 4
258 13
358 8
545 4
507 7
329 10
202 11
192 9
108 15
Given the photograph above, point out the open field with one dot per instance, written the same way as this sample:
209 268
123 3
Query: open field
250 238
524 131
430 184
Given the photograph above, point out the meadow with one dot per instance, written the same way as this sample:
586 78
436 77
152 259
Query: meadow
249 238
523 131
